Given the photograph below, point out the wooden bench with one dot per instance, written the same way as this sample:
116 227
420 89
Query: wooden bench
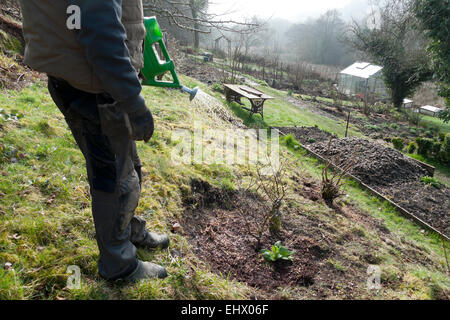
235 92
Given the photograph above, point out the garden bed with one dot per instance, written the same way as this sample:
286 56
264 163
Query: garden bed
376 125
330 259
394 175
220 237
199 70
306 135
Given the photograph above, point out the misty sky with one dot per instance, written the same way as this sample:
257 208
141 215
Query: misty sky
293 10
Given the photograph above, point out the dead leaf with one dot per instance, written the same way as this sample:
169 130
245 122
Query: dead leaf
51 199
15 236
176 228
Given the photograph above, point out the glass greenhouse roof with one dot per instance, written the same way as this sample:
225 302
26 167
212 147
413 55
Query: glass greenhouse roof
362 70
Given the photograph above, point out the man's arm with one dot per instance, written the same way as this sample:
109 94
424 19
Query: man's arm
103 36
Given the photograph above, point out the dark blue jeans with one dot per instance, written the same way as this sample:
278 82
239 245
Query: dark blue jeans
113 170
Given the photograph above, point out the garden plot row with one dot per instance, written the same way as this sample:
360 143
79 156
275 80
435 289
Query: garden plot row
388 173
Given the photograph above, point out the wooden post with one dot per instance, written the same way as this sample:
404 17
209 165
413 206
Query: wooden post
348 121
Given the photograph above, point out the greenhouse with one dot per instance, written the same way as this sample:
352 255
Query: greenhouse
362 79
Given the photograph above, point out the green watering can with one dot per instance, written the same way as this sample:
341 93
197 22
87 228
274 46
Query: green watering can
154 67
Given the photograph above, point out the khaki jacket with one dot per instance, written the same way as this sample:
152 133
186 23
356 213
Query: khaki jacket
54 49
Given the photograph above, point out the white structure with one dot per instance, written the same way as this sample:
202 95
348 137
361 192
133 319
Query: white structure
407 103
361 79
429 110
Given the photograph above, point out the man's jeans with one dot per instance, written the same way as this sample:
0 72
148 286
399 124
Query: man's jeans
114 174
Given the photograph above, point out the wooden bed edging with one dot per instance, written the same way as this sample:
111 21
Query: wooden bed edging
429 168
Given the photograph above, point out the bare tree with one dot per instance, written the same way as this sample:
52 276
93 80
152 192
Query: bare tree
389 37
332 182
297 74
197 8
272 191
320 41
193 15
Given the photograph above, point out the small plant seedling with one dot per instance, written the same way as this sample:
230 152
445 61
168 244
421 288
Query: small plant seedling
277 252
430 181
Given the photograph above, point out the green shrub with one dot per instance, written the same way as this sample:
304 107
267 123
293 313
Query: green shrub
434 128
430 181
412 146
397 116
413 117
429 134
290 141
218 87
262 83
424 145
445 151
398 143
394 126
9 43
436 148
381 108
373 127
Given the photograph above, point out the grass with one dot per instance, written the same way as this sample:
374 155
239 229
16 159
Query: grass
9 43
280 113
45 219
46 224
433 122
409 232
441 173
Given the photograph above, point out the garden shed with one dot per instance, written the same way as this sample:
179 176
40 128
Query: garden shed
362 79
407 103
429 110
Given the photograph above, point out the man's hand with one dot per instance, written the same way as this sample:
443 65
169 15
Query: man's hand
142 125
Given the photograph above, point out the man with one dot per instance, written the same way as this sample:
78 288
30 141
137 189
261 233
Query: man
93 79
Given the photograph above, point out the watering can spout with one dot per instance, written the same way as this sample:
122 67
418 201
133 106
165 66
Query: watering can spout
192 92
156 66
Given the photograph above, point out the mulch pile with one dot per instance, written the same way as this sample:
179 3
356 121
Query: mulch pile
376 165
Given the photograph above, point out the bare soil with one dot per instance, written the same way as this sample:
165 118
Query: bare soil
14 74
17 76
330 259
217 230
12 27
198 70
306 135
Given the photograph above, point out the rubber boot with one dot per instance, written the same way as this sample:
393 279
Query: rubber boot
141 238
154 241
146 270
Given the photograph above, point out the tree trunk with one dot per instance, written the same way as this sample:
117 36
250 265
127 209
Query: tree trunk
194 13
